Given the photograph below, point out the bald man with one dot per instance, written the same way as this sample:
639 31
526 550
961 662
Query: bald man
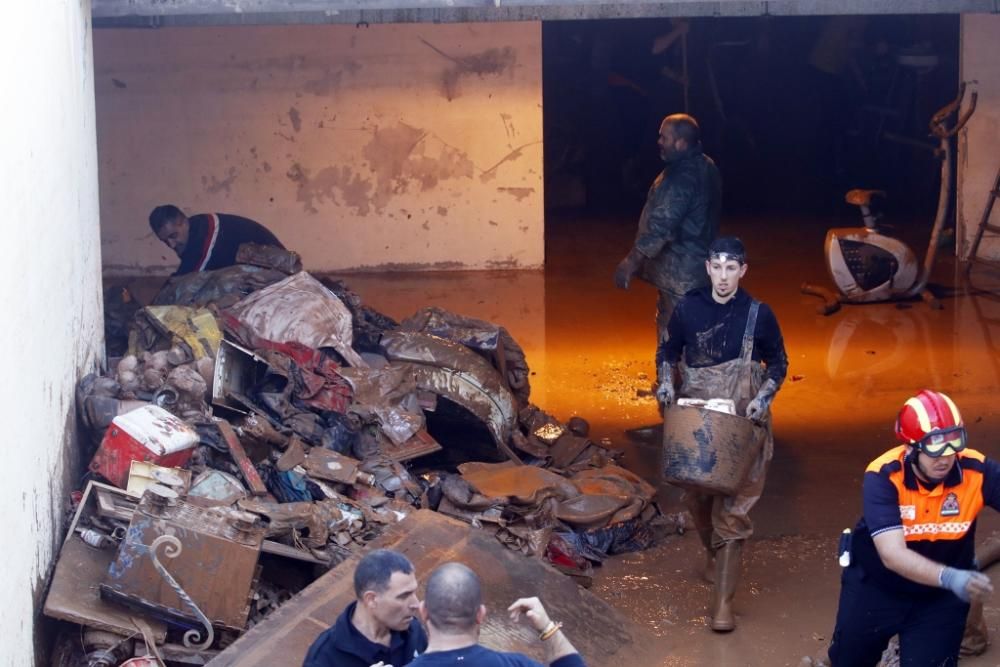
453 612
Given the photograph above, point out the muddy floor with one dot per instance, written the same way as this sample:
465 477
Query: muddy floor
591 349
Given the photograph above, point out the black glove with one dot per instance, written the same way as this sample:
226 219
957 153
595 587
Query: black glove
627 268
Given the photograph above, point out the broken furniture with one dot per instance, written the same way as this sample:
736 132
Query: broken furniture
602 635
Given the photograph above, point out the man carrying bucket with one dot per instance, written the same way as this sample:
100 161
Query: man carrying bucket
732 349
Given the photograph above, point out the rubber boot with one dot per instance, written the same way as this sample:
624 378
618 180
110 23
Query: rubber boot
708 574
727 572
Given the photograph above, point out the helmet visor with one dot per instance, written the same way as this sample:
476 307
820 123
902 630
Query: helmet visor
942 442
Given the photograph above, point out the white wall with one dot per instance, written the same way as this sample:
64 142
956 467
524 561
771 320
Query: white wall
979 146
411 146
50 290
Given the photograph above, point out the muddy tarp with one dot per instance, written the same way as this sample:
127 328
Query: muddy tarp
485 337
388 394
299 310
452 370
602 635
223 287
369 324
314 377
269 257
433 350
523 485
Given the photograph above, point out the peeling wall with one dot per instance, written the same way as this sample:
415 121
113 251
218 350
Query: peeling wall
362 147
52 328
979 145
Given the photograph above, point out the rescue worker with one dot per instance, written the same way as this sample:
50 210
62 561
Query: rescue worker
679 220
381 626
912 568
731 348
207 241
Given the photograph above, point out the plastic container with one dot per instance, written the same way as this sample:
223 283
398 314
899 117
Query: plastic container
149 433
708 451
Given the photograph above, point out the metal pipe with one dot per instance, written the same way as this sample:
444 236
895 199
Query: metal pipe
944 135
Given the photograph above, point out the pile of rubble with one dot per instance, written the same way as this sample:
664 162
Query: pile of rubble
254 412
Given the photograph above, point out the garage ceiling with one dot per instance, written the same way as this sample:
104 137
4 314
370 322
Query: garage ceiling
152 13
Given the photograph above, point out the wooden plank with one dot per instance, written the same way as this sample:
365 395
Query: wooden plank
239 454
603 636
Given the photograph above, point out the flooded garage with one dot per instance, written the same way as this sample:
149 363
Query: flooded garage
453 194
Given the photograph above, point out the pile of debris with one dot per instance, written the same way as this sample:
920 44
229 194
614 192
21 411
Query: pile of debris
255 412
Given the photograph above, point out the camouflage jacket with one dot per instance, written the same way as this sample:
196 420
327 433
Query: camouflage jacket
679 221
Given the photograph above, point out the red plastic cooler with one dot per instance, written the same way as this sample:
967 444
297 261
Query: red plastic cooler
149 433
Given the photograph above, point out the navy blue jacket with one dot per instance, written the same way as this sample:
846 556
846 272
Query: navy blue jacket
214 238
480 656
343 645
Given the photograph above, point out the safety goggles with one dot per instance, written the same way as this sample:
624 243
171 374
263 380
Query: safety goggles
943 442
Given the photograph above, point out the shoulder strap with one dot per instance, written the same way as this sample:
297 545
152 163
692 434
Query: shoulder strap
747 351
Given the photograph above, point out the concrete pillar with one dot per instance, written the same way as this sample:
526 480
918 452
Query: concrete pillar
979 144
51 330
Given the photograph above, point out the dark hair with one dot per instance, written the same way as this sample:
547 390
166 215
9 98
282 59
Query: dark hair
161 215
453 597
685 127
376 569
731 246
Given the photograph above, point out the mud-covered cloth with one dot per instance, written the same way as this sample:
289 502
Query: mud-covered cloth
738 379
707 333
214 238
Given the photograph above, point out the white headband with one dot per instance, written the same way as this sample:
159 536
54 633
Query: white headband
726 256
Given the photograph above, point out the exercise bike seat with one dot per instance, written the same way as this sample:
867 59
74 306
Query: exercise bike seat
862 197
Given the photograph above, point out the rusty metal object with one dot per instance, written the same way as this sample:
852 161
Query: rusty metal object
603 635
72 595
172 548
295 454
331 466
239 455
217 567
237 369
420 444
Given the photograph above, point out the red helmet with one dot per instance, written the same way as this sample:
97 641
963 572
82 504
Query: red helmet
931 421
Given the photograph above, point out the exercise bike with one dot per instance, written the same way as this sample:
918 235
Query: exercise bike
867 265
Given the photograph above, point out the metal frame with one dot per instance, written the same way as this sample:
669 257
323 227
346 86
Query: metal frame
156 13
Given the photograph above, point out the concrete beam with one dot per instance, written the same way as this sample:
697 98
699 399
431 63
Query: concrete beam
153 13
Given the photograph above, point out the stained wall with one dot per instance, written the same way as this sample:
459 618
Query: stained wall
414 146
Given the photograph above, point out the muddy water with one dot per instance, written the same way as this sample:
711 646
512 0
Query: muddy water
592 345
591 349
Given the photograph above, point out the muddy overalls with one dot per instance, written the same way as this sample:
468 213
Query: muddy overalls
722 521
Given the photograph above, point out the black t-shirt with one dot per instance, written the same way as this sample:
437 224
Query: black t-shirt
708 333
343 645
214 238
